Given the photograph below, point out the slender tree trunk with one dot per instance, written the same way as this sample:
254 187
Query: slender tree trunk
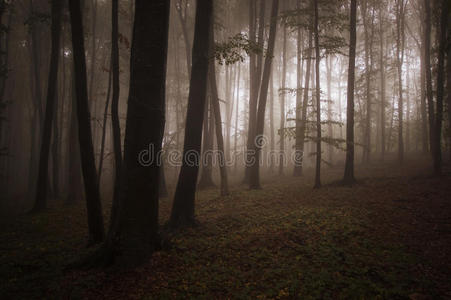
318 101
183 206
297 171
427 65
271 123
94 206
424 117
440 86
253 93
263 95
74 180
367 131
41 192
104 124
282 101
217 116
349 165
237 117
400 38
116 129
448 82
330 148
303 126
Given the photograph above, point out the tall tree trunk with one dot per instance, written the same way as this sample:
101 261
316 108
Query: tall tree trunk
41 192
297 170
367 131
74 181
116 129
271 123
440 85
236 117
318 101
254 182
138 233
300 139
217 116
104 124
349 165
400 40
330 149
382 70
282 102
427 65
424 117
253 92
448 81
93 52
94 206
183 206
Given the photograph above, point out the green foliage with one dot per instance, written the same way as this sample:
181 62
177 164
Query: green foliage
231 52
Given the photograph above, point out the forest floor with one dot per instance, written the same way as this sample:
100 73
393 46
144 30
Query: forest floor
387 237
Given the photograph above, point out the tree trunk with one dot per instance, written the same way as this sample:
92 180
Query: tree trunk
94 206
183 206
400 40
349 165
440 86
41 192
217 116
236 117
104 124
318 101
300 139
427 65
282 101
138 233
254 182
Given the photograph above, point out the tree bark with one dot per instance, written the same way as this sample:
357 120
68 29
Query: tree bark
349 165
318 101
217 116
254 182
137 236
94 206
183 206
41 192
427 65
440 86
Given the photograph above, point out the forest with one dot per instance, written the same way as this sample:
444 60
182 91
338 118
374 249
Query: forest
227 149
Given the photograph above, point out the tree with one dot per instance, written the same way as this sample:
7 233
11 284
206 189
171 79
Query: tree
254 180
94 206
137 234
318 100
400 41
427 66
183 206
440 86
382 71
41 192
349 165
218 122
300 138
117 148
